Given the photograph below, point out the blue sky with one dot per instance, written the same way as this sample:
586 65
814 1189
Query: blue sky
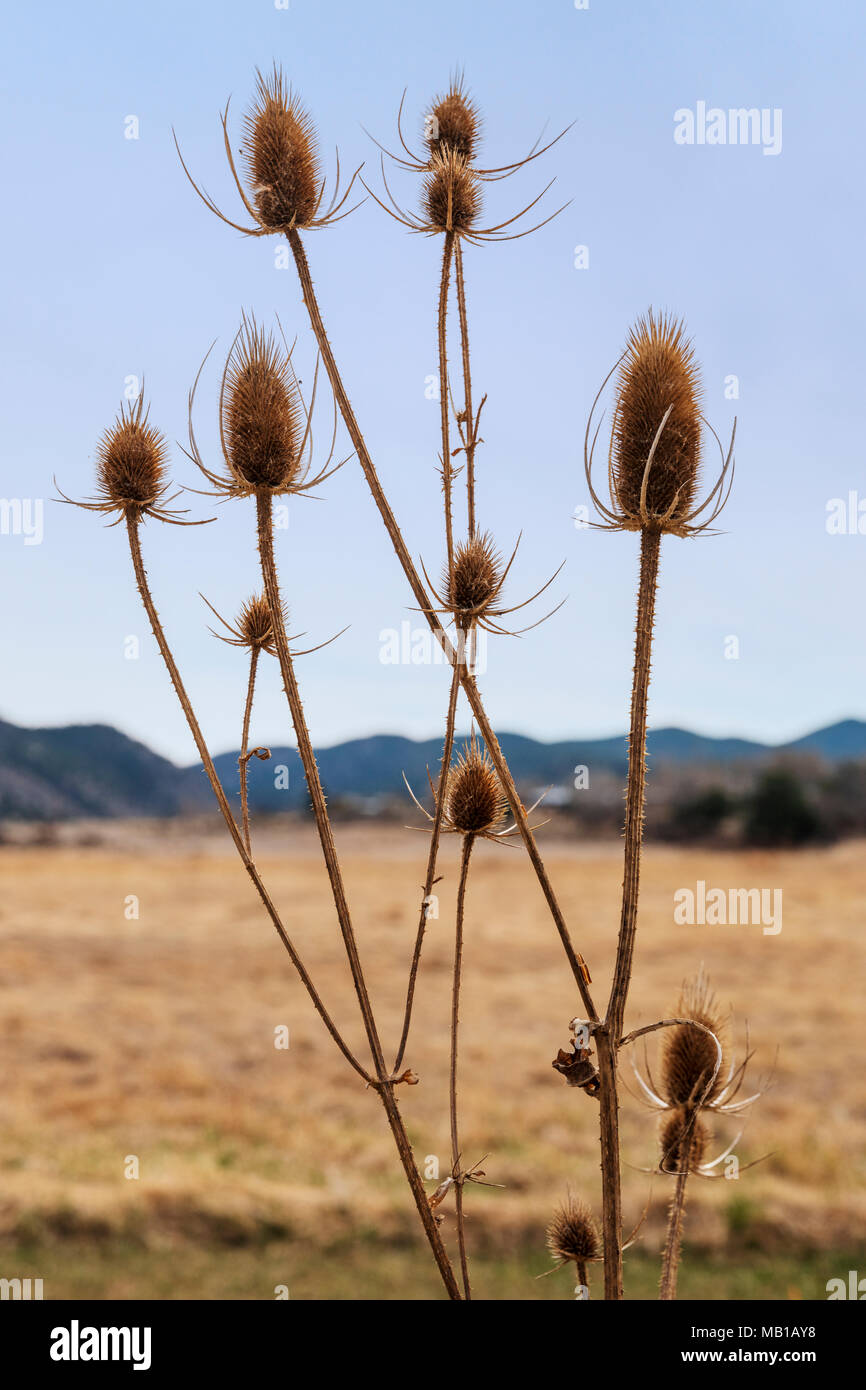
113 268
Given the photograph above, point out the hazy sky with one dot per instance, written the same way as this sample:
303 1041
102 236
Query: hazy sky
113 268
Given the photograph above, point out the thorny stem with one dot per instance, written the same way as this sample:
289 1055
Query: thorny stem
611 1192
676 1213
578 967
442 322
222 801
244 759
581 1276
384 1084
469 419
430 879
457 1173
611 1032
636 786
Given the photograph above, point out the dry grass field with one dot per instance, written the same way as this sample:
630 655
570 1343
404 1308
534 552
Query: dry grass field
153 1038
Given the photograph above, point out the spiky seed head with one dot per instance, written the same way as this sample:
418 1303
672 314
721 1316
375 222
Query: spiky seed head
683 1135
261 411
454 123
475 802
573 1234
689 1055
476 577
255 625
131 462
658 371
281 156
451 196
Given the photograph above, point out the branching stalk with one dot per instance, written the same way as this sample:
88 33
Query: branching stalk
469 423
444 399
384 1081
578 967
244 759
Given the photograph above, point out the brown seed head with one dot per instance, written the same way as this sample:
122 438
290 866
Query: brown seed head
573 1235
476 579
281 156
689 1055
454 123
683 1134
451 196
658 371
131 462
255 625
261 413
475 801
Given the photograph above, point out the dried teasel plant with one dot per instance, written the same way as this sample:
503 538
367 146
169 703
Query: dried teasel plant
653 476
266 441
698 1077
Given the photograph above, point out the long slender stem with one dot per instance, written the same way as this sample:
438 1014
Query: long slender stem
676 1214
244 759
444 395
456 1168
430 877
608 1037
385 1084
635 801
222 800
469 418
468 682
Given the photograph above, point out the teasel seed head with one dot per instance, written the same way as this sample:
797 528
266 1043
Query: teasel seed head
261 413
255 625
689 1055
475 801
683 1132
455 122
658 374
475 579
451 195
573 1234
131 463
281 156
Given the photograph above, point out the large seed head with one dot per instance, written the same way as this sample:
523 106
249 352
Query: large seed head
131 462
451 196
476 579
658 371
475 801
689 1055
281 156
454 124
261 413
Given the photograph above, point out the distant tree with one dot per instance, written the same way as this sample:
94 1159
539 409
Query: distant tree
699 817
777 812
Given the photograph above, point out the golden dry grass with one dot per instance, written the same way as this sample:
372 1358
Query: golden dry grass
155 1038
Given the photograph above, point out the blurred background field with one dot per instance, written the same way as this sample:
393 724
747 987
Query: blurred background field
152 1037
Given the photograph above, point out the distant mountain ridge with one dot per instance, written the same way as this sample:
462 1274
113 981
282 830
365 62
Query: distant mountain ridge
93 770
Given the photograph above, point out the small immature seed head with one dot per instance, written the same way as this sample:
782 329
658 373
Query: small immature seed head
475 802
689 1055
281 156
684 1137
476 578
573 1235
658 372
451 196
131 462
454 123
261 413
255 625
